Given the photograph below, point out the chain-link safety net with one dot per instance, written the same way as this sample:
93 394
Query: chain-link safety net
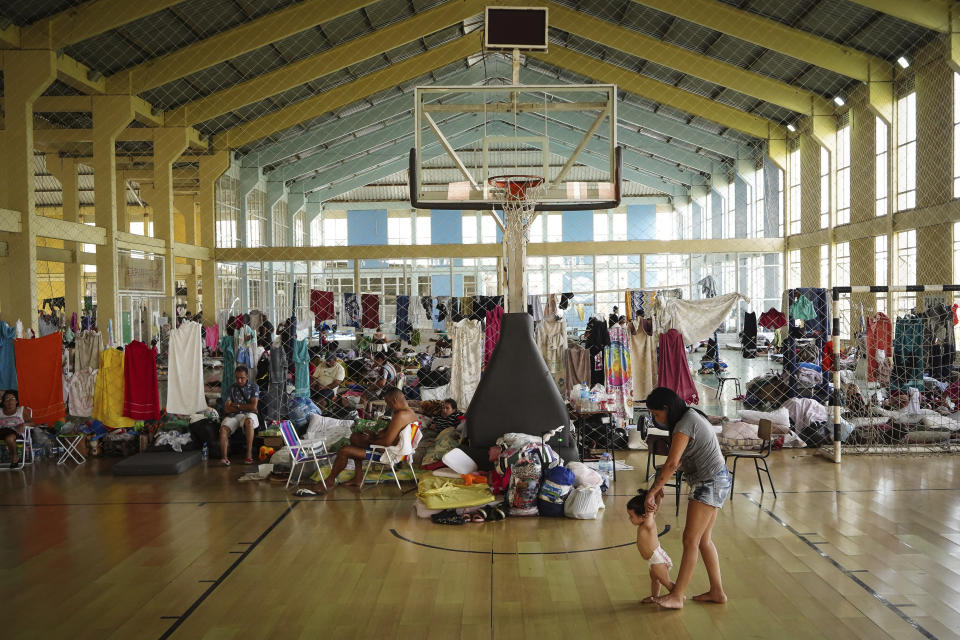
749 167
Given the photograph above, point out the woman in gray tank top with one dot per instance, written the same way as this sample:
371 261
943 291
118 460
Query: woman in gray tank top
693 449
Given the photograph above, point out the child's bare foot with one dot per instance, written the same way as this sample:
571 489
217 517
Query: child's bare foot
671 601
718 598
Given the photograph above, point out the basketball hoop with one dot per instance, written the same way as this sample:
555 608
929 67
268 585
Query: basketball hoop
517 194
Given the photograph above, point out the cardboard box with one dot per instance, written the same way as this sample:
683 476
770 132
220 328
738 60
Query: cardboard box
275 442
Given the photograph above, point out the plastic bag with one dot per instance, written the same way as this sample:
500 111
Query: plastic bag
583 503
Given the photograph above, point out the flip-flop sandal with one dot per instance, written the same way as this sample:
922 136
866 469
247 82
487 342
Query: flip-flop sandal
225 462
476 516
305 493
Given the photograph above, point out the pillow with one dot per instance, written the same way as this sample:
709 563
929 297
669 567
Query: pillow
940 422
780 416
926 437
739 436
868 422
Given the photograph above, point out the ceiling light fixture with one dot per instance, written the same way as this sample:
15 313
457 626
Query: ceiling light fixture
791 128
903 62
838 101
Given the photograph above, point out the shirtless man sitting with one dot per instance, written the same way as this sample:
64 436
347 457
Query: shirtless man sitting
401 416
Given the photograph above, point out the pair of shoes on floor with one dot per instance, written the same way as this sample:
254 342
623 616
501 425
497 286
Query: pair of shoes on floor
448 516
493 513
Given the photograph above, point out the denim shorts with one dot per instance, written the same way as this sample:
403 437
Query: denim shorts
712 492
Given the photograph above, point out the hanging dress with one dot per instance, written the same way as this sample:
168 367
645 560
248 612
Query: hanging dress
301 375
403 318
185 370
673 372
370 304
227 375
491 333
551 339
879 338
643 360
576 367
108 393
8 366
141 389
468 338
617 365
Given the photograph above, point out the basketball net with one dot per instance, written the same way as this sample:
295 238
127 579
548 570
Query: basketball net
518 196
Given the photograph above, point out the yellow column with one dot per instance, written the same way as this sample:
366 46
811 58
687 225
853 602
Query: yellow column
186 206
168 145
123 215
111 115
25 76
211 168
65 170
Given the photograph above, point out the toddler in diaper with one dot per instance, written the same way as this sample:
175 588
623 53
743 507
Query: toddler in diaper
649 545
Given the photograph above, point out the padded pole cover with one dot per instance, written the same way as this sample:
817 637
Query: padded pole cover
517 394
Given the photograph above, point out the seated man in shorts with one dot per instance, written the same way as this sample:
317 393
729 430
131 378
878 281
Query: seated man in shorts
327 378
401 416
240 409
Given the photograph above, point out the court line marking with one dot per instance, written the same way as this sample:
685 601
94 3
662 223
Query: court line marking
216 583
847 572
396 534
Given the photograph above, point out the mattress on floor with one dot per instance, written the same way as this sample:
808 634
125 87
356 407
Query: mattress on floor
157 463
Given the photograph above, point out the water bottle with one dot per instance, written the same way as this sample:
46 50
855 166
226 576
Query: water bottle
584 397
605 467
205 452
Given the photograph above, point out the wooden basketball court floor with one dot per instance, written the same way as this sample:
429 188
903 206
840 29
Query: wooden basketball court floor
866 549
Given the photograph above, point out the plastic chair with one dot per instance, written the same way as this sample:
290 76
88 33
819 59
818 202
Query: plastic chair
302 454
409 438
26 442
658 445
765 433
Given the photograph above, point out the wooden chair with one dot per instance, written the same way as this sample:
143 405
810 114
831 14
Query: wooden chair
658 445
764 433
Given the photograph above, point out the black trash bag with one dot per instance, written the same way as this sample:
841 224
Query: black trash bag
816 435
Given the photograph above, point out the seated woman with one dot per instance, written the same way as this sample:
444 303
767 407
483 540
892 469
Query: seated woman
358 451
14 420
449 416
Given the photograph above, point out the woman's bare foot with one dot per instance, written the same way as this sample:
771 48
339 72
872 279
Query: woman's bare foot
710 596
671 601
649 600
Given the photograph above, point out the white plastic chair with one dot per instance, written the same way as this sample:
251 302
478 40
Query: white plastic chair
27 441
303 454
409 438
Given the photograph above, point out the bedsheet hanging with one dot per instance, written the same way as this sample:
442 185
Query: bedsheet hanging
695 320
468 339
141 390
185 370
618 370
108 394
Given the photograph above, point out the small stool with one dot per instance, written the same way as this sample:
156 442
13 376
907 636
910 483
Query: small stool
70 450
722 379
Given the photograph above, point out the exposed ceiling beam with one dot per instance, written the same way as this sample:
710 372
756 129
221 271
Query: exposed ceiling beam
143 111
821 52
133 134
335 129
324 63
662 92
689 62
363 86
231 43
931 14
86 21
669 127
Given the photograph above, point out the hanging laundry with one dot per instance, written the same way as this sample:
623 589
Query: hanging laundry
351 310
108 394
466 306
211 337
565 300
576 367
491 333
802 309
581 310
301 372
185 370
83 386
468 340
87 348
550 308
227 375
748 338
370 314
643 358
8 363
40 377
441 309
321 303
618 371
772 319
551 339
908 350
534 308
708 287
403 323
427 303
141 390
696 320
673 372
597 339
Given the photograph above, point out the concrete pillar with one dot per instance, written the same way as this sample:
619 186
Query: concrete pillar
863 153
123 214
168 145
810 185
186 206
65 170
25 76
249 178
211 168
